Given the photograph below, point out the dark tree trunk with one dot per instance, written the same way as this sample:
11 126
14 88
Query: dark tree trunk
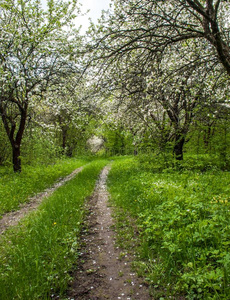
208 133
64 138
207 136
178 147
16 158
15 136
135 152
69 152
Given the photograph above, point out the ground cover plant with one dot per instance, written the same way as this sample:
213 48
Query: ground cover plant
16 188
38 256
182 211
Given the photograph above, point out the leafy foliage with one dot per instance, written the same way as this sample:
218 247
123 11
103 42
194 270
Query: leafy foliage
163 66
36 53
183 216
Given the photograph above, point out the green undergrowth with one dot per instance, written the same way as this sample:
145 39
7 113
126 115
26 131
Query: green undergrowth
37 256
17 188
182 212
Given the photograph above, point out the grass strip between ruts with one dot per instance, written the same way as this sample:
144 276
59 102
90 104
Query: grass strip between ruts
38 255
16 188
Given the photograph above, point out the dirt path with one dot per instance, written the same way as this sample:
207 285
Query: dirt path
12 218
101 273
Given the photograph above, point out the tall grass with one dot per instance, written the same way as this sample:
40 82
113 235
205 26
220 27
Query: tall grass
36 257
183 215
17 188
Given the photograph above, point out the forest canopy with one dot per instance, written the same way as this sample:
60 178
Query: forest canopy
151 76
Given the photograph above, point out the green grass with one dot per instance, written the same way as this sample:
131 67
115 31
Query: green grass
37 257
17 188
183 214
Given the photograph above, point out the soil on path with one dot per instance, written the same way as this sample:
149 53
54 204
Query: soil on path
12 218
102 272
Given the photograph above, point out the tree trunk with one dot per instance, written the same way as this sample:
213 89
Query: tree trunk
178 146
16 158
69 152
15 138
64 138
207 136
135 152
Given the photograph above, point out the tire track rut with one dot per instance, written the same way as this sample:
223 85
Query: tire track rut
12 218
102 273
